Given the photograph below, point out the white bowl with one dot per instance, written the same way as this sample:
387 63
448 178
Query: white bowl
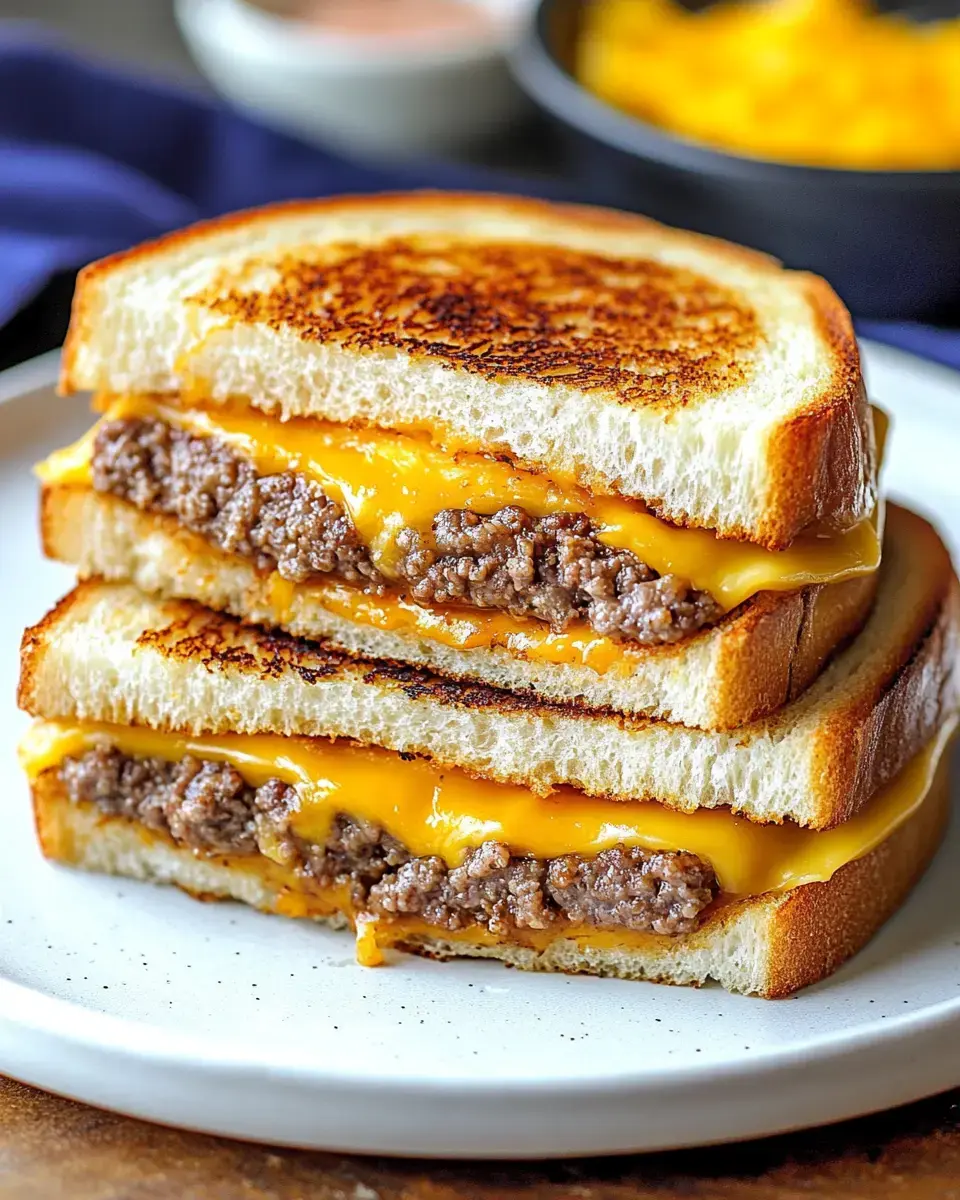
359 93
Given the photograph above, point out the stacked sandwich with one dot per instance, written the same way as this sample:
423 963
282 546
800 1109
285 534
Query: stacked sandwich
494 578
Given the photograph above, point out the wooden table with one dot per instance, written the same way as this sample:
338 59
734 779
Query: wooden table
52 1149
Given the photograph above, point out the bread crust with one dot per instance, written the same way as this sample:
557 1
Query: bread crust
816 761
552 212
769 945
760 656
820 462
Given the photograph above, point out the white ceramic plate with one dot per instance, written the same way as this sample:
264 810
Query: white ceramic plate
221 1019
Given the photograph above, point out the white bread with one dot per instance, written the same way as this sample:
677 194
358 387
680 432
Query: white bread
769 945
108 653
760 656
696 376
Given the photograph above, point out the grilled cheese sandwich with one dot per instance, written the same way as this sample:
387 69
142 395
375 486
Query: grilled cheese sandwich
494 578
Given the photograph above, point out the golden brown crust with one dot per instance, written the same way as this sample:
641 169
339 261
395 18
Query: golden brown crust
771 648
821 925
638 331
541 210
823 461
823 465
855 739
35 639
800 937
778 643
548 212
868 740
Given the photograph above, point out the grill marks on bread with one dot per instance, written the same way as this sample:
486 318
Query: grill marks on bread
192 633
640 331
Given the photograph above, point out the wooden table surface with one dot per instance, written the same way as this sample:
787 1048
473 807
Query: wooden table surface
52 1148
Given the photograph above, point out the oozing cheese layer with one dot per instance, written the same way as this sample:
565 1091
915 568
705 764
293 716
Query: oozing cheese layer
389 481
441 811
461 627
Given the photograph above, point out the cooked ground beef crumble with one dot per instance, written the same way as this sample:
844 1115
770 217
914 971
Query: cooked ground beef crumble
208 807
552 568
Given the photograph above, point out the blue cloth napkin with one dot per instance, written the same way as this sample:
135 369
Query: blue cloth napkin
93 160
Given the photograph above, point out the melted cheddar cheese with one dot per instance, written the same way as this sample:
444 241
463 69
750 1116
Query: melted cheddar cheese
387 481
368 942
461 627
434 810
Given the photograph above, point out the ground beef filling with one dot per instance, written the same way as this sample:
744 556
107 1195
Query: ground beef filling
208 807
552 568
282 522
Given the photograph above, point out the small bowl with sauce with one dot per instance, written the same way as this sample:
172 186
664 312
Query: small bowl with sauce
384 77
818 130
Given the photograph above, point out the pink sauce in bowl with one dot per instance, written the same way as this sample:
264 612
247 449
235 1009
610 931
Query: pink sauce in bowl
394 18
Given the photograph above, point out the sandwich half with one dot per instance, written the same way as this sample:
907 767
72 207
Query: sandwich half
537 446
177 745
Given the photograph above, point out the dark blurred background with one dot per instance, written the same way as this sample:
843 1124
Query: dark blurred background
140 31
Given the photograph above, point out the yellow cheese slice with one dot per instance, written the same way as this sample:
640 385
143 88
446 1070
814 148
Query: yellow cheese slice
388 481
441 811
462 627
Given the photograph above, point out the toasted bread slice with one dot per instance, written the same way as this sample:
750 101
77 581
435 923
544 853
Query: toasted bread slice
768 945
763 654
108 653
697 377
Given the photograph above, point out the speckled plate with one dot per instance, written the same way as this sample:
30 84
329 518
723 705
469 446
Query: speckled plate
220 1019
